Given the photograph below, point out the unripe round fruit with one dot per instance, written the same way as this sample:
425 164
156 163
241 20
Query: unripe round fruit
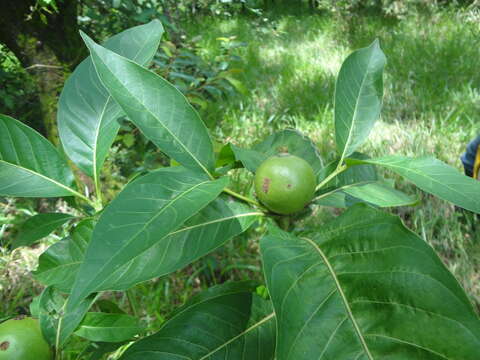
23 340
285 183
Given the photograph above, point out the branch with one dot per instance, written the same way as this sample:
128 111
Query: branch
42 66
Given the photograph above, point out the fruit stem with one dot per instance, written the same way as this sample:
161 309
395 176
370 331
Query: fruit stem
337 171
241 197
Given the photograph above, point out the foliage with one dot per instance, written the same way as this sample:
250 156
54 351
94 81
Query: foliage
350 288
17 89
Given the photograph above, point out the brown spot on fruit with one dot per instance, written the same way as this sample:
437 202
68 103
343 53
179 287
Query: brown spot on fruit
266 185
4 346
289 186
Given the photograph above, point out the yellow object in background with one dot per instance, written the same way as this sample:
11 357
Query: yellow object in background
476 166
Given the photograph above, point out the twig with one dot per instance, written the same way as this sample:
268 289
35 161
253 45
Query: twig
36 66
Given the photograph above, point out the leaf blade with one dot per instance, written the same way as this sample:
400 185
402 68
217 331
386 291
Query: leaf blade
433 176
139 217
348 271
358 97
29 164
230 323
39 226
156 107
380 194
58 265
103 327
86 112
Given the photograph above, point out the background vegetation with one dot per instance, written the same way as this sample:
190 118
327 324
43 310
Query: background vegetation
252 67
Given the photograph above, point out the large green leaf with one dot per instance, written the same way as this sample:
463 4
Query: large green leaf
147 210
225 322
108 327
377 193
55 324
30 166
288 140
380 194
215 224
59 264
156 107
366 287
433 176
87 113
358 97
212 227
39 226
359 183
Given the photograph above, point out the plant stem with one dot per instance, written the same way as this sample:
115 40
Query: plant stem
84 198
241 197
58 351
338 170
98 192
132 302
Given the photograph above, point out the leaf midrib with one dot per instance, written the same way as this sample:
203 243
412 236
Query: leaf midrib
423 175
149 111
161 211
243 333
354 116
70 190
343 297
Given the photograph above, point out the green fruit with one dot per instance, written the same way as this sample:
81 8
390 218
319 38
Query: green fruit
285 183
23 340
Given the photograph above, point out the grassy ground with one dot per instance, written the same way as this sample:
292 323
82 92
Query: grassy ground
431 104
290 64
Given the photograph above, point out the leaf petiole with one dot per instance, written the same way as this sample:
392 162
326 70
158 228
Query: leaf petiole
241 197
338 170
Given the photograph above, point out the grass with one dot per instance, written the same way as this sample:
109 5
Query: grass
290 64
430 106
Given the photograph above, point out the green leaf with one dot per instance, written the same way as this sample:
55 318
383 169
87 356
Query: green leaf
147 210
108 327
288 140
224 322
366 287
55 324
359 183
107 306
225 156
39 226
238 85
433 176
87 113
336 199
212 227
250 158
380 194
59 264
358 97
156 107
30 166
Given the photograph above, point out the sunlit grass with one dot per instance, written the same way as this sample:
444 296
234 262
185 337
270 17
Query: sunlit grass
431 100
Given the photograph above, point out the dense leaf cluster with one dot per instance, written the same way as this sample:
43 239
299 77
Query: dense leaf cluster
360 287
